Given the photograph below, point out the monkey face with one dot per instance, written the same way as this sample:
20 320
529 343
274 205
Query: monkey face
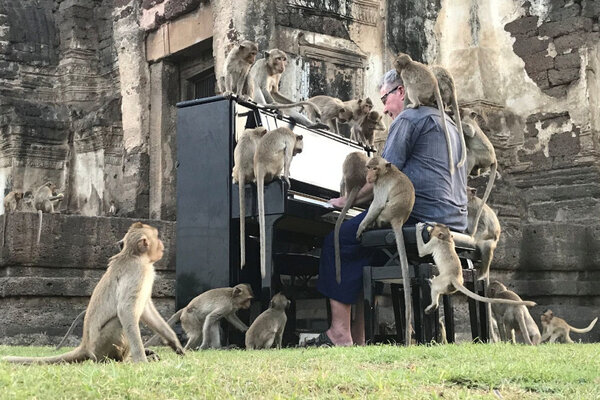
547 316
471 193
495 287
18 195
277 61
298 145
242 295
441 232
366 106
344 115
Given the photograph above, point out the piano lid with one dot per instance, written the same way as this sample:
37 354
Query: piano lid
323 154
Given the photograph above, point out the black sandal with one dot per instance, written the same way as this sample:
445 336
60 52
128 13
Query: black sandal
320 341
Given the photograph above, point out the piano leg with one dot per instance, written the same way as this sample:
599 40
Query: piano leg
267 281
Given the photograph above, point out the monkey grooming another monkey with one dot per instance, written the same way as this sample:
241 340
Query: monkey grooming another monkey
265 75
354 177
44 199
332 111
243 171
360 109
200 318
448 93
511 318
422 88
237 70
272 157
393 200
268 327
481 157
119 302
450 277
555 328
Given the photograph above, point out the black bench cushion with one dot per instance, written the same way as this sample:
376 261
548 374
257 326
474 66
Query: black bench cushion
385 238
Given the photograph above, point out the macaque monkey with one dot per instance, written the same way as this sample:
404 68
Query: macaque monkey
265 75
200 318
272 157
422 88
11 203
354 177
237 70
512 318
360 109
481 157
268 327
450 277
332 111
487 234
555 328
364 133
112 209
243 171
393 200
78 318
122 298
44 199
448 93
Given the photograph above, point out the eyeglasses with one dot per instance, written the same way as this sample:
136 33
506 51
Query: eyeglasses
385 96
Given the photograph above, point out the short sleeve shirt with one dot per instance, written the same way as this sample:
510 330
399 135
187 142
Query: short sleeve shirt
416 144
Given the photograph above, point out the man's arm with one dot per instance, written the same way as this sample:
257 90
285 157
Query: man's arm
364 196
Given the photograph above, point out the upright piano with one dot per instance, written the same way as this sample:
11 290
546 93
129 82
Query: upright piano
207 200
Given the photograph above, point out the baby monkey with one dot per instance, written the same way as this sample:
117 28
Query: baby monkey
555 328
450 278
268 327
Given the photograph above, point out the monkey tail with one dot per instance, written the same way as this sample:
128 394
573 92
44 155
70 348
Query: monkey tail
260 191
75 322
585 330
241 187
399 236
523 328
39 235
336 232
463 145
486 195
438 98
78 354
442 325
153 341
477 297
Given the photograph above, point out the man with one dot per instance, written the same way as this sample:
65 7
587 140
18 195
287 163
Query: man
417 146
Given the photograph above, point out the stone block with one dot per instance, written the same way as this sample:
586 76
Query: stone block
566 61
526 46
564 27
562 76
591 9
557 91
537 63
572 41
174 9
526 25
562 13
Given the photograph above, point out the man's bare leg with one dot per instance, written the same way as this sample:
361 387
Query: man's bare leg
339 332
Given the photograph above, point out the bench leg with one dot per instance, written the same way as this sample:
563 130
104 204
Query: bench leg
483 320
398 312
368 299
417 311
473 309
449 318
430 326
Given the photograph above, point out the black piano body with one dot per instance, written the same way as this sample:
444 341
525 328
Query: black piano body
207 253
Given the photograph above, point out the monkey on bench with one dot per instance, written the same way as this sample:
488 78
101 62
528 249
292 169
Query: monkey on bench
122 298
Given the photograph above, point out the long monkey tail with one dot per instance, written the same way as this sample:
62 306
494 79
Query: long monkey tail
463 156
399 236
39 235
241 190
336 232
486 195
477 297
153 341
438 98
523 328
76 355
260 190
73 324
585 330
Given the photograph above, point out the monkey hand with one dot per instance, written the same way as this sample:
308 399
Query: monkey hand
359 232
430 309
227 94
179 350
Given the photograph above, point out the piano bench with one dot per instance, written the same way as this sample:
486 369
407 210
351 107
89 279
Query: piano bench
301 268
421 270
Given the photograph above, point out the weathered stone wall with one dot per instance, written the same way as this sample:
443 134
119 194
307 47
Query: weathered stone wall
43 288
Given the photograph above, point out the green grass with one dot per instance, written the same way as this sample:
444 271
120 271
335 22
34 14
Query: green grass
378 372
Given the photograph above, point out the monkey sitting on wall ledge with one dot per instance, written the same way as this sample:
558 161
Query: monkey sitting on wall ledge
119 302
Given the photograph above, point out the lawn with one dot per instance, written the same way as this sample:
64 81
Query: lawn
383 372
